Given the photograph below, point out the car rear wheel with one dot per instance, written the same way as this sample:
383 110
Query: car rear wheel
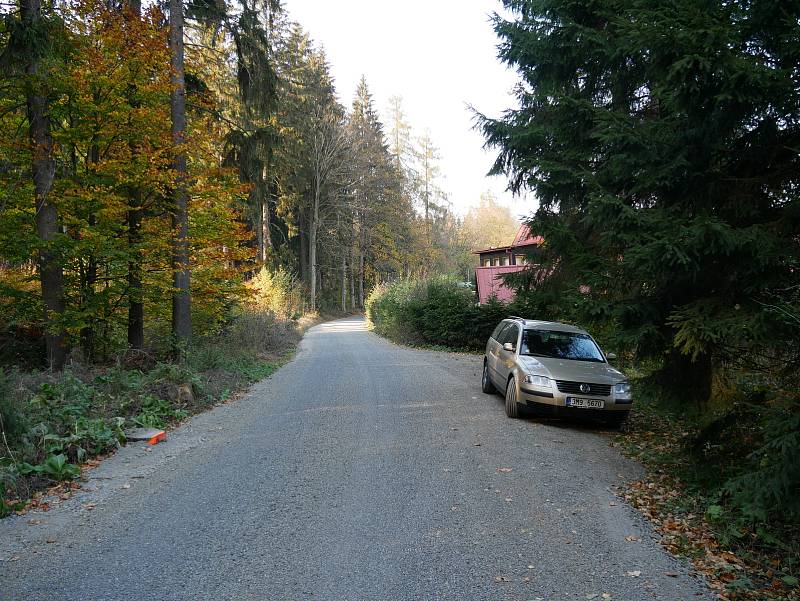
512 407
486 382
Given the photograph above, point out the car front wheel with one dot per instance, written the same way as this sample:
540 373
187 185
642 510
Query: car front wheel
486 383
512 407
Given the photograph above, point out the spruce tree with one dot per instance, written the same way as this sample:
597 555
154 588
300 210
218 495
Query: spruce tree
661 139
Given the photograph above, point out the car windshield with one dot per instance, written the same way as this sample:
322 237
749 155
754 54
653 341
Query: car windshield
560 345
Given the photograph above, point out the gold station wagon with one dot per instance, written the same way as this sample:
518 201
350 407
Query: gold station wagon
554 368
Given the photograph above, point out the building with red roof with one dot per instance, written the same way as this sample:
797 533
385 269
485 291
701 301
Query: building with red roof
495 262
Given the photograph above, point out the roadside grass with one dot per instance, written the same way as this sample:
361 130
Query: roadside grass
684 495
52 424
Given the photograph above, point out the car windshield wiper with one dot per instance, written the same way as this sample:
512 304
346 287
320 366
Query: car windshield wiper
591 359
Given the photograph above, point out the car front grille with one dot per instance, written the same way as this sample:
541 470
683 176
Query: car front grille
575 388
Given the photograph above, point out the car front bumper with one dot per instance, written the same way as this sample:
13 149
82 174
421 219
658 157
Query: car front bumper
555 402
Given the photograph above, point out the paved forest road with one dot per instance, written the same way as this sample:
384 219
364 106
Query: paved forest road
360 471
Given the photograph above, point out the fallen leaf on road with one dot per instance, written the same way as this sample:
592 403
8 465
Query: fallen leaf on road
476 444
505 469
634 574
606 595
631 539
612 504
671 574
509 499
90 506
33 522
50 540
126 486
502 579
530 567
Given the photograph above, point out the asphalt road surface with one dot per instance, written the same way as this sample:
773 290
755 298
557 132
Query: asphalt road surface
360 471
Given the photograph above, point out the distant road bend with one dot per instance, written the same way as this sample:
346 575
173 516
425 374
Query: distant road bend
361 471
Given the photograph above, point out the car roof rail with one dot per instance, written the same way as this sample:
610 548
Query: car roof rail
516 317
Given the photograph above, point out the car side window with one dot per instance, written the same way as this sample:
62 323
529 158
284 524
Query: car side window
498 331
510 334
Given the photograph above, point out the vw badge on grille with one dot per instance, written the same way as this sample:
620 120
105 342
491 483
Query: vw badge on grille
585 388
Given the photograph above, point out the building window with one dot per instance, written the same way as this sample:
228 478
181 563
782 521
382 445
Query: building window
495 262
487 262
521 260
504 261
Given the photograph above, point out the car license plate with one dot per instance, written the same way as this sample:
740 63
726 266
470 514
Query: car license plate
585 403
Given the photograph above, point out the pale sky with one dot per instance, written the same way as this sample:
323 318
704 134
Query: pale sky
440 56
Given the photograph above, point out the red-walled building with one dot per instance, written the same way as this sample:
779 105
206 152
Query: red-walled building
498 261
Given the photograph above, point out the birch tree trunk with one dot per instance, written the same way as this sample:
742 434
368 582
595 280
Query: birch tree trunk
312 242
88 279
352 283
303 247
362 251
135 296
344 283
258 223
361 277
264 236
43 167
181 299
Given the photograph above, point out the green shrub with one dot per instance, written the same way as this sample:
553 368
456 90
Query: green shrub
51 421
769 487
157 413
7 506
436 311
277 291
55 467
12 419
86 437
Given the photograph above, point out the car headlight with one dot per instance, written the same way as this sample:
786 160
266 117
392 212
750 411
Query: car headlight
541 381
623 389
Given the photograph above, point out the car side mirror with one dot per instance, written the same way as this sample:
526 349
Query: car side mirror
611 356
508 347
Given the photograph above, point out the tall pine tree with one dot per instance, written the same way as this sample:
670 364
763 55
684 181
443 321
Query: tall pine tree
661 140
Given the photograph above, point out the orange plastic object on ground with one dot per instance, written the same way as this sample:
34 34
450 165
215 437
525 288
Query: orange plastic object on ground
160 437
